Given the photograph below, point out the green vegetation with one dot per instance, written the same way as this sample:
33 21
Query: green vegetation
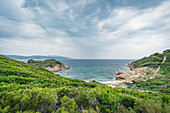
153 60
161 82
26 88
47 63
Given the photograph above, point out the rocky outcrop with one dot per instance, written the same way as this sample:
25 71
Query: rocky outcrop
57 68
49 64
130 66
132 74
119 73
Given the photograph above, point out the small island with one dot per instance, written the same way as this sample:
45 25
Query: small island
49 64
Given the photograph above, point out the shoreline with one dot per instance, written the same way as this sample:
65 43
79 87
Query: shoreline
129 77
119 81
58 68
113 83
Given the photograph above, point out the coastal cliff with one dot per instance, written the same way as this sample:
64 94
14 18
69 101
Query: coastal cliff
49 64
149 73
147 65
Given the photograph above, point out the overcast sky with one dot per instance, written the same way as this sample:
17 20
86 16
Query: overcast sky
85 28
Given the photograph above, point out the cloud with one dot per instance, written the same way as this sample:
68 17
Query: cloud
139 31
84 28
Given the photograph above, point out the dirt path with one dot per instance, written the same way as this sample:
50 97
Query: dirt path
159 67
123 81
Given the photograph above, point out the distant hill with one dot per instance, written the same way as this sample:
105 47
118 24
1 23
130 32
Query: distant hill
35 57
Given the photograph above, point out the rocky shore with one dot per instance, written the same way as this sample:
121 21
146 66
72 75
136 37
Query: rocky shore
130 76
49 64
135 73
131 66
57 68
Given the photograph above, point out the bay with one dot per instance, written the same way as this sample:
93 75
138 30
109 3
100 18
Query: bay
101 70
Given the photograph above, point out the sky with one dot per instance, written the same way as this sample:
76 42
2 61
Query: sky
86 29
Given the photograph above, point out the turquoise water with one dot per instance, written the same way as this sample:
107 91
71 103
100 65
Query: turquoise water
100 70
103 71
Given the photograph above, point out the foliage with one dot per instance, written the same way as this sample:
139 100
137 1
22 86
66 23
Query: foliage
162 80
160 84
152 61
46 63
27 88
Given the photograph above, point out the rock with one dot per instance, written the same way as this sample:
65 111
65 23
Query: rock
120 73
57 68
129 81
92 81
121 77
130 66
132 74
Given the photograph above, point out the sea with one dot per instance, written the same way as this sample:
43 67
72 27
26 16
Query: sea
101 70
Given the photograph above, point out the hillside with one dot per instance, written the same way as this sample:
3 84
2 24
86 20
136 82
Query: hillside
26 88
49 64
157 77
154 61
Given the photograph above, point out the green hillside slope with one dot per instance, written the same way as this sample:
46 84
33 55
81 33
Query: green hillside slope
27 88
154 61
161 81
